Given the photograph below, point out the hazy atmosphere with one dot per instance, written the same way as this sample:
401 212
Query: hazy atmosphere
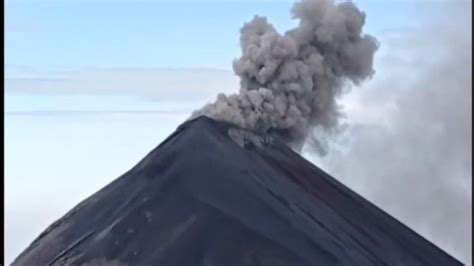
93 86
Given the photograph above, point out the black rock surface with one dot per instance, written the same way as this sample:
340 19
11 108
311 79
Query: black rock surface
200 198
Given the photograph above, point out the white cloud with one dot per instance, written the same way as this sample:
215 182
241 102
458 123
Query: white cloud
149 83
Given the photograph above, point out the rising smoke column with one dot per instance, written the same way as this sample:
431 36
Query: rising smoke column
290 82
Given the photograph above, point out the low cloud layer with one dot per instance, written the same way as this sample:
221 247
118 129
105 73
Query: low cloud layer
408 143
161 84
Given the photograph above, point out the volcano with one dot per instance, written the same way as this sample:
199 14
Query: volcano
207 197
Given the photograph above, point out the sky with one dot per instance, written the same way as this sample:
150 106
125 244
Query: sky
93 86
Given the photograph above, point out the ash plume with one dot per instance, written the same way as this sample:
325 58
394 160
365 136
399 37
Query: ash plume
290 82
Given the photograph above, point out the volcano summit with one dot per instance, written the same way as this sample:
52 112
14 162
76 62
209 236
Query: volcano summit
204 197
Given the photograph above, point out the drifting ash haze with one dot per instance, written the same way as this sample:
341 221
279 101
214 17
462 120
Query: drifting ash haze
410 151
289 82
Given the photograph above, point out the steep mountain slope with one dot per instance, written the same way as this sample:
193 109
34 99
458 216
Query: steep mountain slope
207 197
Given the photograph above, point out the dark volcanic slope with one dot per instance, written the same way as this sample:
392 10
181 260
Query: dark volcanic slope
201 199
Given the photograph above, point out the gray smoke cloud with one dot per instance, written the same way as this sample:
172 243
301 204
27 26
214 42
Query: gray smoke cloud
290 82
413 157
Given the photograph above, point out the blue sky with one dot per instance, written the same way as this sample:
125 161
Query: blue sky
151 33
56 48
93 86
